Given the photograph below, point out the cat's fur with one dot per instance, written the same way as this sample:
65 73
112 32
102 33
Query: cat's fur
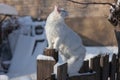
65 40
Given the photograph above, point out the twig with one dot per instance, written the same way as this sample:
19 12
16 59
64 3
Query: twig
88 3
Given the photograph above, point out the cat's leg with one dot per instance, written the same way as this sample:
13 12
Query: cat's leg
73 65
64 59
57 43
50 44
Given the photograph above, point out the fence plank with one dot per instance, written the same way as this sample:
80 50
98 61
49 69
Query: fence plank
105 67
53 77
118 69
95 66
85 67
62 72
51 52
113 66
44 69
90 76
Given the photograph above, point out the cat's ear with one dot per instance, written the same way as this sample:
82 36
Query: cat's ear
56 8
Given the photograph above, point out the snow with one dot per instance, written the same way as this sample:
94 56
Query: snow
26 77
24 62
22 78
7 10
42 23
96 50
43 57
4 77
10 22
87 73
24 21
6 62
26 24
13 38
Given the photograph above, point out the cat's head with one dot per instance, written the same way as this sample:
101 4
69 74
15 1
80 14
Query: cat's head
60 11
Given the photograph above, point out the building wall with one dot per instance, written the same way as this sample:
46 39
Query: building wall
90 21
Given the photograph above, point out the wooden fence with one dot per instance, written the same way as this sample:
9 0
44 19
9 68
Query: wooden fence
97 68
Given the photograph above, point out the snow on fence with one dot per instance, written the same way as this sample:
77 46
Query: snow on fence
97 68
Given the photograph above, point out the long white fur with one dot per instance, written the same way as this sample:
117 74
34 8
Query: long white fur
65 40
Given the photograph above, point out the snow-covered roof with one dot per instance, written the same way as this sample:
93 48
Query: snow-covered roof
7 10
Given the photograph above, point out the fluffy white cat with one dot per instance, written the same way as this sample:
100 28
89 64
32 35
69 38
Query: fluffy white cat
65 40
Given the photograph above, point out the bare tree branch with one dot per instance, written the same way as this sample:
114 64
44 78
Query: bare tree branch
88 3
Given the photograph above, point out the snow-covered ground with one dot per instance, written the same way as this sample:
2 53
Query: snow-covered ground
26 46
96 50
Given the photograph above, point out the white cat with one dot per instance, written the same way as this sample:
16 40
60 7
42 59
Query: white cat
65 40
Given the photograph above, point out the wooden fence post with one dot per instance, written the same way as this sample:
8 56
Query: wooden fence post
85 73
117 33
51 52
105 67
118 68
53 77
85 67
95 66
44 69
113 65
89 76
62 72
